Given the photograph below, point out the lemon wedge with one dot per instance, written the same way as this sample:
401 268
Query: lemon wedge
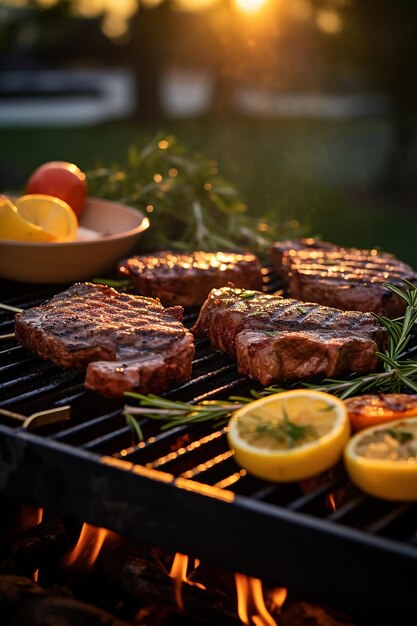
289 436
37 218
382 460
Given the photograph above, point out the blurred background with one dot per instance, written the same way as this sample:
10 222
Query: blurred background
308 106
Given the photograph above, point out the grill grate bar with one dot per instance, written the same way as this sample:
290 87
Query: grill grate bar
38 393
16 366
13 350
203 379
196 472
208 358
81 428
308 498
77 392
224 390
58 397
155 441
264 492
194 446
105 439
388 519
44 369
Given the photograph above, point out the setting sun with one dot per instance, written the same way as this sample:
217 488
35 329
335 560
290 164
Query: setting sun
250 6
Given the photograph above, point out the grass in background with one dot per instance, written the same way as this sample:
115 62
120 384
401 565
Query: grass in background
318 174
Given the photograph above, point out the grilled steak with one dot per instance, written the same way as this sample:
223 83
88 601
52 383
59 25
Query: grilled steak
274 338
125 342
348 279
187 279
280 247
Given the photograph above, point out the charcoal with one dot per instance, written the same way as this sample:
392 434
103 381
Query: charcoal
44 543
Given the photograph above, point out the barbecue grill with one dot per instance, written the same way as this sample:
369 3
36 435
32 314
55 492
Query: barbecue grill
181 490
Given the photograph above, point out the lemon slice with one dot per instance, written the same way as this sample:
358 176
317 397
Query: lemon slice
37 218
382 460
289 436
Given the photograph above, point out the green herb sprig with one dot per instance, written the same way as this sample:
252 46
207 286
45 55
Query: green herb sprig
284 430
402 436
397 373
191 206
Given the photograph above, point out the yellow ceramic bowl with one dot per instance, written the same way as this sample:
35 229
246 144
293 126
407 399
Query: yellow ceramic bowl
108 231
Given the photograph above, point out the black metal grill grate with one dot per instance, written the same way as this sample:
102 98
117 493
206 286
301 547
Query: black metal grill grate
88 467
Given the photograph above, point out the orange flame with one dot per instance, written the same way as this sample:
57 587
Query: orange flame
279 595
178 572
30 516
331 501
38 515
88 546
250 602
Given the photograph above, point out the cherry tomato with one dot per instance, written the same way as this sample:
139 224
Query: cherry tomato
62 180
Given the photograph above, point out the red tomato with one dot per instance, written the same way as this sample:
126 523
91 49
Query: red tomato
62 180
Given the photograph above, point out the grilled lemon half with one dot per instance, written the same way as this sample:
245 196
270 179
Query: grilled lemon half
382 460
289 436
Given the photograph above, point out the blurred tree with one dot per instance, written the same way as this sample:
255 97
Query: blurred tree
148 53
380 39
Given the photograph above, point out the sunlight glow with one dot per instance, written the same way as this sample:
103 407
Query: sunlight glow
301 9
250 6
194 5
46 4
329 21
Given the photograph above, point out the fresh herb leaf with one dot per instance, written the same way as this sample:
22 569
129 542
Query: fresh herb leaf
134 425
116 284
285 431
402 436
246 294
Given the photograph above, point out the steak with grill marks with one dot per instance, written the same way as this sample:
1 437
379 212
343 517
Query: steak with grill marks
187 279
280 247
348 279
274 338
125 342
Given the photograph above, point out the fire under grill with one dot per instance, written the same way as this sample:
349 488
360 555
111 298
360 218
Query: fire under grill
181 489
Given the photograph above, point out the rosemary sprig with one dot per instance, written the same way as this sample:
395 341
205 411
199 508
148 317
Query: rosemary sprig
191 205
397 373
134 425
284 430
9 308
174 413
402 436
121 284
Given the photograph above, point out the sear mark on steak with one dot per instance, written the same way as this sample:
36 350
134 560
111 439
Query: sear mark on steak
275 339
125 342
187 279
280 247
348 279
